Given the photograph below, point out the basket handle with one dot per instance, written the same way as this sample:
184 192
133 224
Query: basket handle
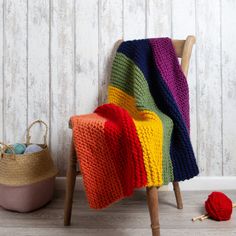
7 146
28 137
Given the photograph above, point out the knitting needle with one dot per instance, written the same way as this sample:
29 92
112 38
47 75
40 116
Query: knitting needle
204 217
197 218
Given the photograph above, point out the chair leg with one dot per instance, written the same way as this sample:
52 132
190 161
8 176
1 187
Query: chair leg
70 179
152 200
178 195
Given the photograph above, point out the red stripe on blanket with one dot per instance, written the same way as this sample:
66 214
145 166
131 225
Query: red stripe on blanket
126 147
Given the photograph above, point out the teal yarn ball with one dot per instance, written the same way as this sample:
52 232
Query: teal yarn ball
19 148
33 148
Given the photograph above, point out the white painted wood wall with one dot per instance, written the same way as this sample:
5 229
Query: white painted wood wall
55 59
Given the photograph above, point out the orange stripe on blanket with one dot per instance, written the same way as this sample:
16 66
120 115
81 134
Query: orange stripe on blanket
100 177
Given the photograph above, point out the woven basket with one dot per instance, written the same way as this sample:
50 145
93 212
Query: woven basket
25 169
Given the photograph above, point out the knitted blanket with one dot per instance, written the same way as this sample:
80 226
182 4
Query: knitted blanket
141 137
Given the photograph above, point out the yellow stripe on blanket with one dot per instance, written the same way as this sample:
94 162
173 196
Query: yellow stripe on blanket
150 132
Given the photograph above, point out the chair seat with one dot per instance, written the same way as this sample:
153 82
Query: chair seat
96 133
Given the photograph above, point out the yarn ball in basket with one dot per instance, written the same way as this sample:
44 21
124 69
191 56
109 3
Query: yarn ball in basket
33 148
218 206
19 148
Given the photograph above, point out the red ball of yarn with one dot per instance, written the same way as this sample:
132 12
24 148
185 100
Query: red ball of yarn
218 206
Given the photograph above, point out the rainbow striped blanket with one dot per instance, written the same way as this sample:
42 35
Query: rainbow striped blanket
141 136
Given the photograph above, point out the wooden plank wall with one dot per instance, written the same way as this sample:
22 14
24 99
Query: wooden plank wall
38 64
55 59
228 62
1 69
15 81
209 87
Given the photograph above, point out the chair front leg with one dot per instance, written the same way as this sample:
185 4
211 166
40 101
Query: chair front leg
70 185
178 196
152 200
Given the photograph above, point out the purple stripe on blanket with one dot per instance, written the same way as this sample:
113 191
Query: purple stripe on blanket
171 72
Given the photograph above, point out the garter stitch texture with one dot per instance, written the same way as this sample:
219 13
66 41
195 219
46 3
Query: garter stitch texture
130 83
168 65
113 175
143 54
141 137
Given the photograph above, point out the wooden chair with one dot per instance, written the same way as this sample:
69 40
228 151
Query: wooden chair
183 49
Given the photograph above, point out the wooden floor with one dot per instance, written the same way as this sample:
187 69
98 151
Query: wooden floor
128 217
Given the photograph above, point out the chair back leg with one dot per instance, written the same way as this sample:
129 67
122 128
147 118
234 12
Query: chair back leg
70 185
152 201
178 196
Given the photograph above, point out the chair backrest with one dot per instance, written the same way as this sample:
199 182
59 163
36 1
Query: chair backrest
183 50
